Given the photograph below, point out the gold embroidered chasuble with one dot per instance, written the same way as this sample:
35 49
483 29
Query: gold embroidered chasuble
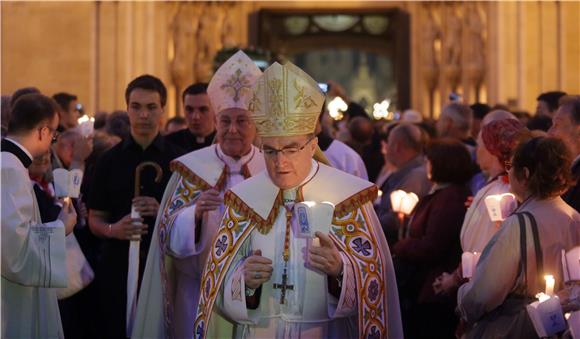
253 206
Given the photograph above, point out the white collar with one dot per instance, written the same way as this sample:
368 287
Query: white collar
20 146
290 193
259 192
235 165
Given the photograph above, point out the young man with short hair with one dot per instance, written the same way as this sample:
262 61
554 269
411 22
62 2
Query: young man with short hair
33 253
112 195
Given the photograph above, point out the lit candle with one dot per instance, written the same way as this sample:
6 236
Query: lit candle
316 242
403 202
335 108
499 206
549 284
86 125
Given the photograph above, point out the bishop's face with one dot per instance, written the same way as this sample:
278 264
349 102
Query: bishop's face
289 159
235 132
145 112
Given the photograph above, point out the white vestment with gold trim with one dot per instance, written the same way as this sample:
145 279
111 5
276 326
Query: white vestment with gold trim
170 289
255 219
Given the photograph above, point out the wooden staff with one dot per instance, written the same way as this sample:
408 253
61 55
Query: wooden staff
133 270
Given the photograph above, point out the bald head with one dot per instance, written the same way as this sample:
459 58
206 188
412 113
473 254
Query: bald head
405 143
455 121
65 145
409 136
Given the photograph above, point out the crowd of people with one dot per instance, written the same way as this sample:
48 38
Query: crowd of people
179 218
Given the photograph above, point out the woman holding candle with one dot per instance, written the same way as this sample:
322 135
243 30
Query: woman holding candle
432 245
494 300
495 145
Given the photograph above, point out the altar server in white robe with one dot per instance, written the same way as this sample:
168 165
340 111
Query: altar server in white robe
192 207
33 253
273 273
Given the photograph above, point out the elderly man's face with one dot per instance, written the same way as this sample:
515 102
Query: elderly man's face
485 160
288 159
40 165
565 128
235 132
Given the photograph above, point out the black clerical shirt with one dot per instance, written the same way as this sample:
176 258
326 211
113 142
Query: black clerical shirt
189 142
112 190
10 147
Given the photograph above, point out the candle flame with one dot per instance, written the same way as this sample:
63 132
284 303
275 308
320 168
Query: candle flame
550 282
335 108
85 118
381 110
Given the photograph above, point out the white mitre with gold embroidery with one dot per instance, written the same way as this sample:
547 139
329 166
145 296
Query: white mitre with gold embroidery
286 101
231 85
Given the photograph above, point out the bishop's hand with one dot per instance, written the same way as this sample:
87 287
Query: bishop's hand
209 200
257 270
326 257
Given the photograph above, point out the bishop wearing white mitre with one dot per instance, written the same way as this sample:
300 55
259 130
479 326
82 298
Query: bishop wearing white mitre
192 207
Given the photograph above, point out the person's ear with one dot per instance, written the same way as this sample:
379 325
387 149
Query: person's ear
313 145
526 173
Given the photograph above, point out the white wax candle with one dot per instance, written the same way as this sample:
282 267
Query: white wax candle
550 282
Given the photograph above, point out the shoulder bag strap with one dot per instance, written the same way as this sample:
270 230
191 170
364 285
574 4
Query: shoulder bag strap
538 248
523 250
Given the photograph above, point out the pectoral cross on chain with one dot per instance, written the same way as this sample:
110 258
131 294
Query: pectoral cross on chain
286 256
284 286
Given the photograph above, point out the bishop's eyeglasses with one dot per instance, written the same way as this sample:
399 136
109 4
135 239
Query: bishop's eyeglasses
289 151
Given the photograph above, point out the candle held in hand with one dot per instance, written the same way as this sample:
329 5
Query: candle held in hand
550 282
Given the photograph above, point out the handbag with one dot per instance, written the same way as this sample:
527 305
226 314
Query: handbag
79 272
510 319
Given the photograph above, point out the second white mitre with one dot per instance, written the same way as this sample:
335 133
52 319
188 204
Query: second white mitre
231 85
